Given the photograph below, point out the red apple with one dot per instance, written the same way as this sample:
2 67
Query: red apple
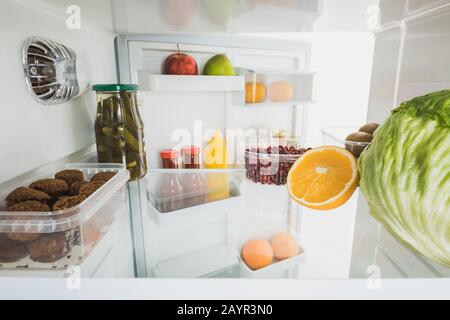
177 13
180 64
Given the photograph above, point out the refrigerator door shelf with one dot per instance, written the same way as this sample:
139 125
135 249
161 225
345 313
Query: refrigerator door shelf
173 203
417 6
272 86
278 104
196 214
200 263
176 83
275 270
418 266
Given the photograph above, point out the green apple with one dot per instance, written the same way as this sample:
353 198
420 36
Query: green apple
219 12
219 65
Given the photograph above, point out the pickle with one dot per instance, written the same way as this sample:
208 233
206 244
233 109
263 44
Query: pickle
111 142
110 132
101 148
131 127
131 155
131 141
131 165
107 131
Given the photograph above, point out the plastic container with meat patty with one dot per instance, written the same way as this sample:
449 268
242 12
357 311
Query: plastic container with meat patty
59 239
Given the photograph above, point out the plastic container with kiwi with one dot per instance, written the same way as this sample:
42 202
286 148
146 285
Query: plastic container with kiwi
357 142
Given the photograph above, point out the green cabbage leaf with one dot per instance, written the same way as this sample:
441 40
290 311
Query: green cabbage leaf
405 175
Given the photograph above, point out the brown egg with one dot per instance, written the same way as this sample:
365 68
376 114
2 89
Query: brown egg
257 254
284 246
280 91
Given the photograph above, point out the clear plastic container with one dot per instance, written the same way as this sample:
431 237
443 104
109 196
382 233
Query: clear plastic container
335 136
62 238
356 148
268 160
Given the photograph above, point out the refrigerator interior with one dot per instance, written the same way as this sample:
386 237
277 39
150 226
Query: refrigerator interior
129 41
180 111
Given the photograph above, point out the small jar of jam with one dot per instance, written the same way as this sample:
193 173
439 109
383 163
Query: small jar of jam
192 181
169 159
191 157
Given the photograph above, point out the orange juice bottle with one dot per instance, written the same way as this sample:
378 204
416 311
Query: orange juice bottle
216 157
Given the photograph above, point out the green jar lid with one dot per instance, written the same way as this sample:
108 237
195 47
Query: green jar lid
115 87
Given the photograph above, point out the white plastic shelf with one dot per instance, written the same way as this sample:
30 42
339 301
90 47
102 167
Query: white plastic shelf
174 83
197 213
286 72
222 195
274 270
278 104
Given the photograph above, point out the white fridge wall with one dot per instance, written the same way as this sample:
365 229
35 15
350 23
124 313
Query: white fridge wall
144 17
36 134
425 59
384 75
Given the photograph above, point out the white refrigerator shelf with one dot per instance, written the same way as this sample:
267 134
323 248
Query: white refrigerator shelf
199 263
275 269
175 83
278 104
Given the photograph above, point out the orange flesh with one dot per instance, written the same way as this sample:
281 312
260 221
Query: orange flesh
322 175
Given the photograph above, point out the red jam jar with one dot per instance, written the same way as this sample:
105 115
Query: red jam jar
191 157
169 159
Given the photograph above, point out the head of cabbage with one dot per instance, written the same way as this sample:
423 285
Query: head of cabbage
405 175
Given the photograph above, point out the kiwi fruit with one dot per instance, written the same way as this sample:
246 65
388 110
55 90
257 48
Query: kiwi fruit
359 137
369 128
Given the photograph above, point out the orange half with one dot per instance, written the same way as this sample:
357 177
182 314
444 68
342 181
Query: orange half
323 178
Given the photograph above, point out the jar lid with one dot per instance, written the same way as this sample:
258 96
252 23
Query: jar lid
115 87
169 154
191 150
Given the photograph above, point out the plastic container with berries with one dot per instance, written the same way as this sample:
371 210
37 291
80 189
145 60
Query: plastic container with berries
268 160
53 219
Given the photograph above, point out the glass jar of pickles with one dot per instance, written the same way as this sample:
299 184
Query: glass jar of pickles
119 130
